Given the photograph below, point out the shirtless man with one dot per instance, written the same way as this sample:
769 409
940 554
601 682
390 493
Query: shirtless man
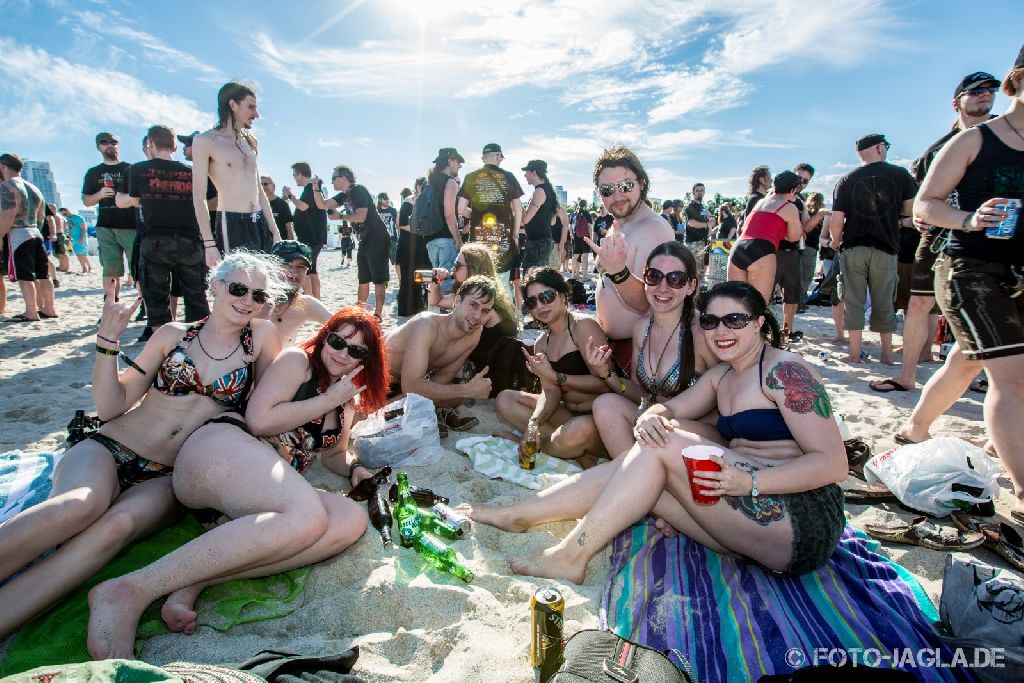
299 308
227 155
621 180
442 343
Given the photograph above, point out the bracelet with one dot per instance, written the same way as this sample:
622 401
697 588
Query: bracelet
966 221
608 376
620 277
107 352
109 341
210 246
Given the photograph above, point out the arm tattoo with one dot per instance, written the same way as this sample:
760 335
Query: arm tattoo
804 394
8 198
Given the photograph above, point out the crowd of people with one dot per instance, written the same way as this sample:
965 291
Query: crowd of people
671 358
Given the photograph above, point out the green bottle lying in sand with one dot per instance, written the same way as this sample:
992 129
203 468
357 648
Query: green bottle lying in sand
407 514
434 551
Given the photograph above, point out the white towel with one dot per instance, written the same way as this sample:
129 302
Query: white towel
498 458
25 480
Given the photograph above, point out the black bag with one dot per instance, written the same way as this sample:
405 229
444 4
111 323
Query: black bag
578 291
427 217
81 426
603 657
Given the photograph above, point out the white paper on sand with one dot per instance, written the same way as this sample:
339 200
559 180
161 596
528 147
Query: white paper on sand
498 458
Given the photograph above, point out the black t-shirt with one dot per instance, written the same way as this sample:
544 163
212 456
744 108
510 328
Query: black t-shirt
814 236
107 214
359 198
311 224
45 229
540 227
752 201
490 191
871 199
786 245
390 218
405 213
164 188
696 211
727 225
602 224
282 214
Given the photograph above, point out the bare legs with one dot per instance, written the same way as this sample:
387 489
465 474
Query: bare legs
1004 405
838 313
915 338
760 274
564 435
943 389
379 291
615 417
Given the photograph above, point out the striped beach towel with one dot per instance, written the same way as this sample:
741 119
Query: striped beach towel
25 480
731 621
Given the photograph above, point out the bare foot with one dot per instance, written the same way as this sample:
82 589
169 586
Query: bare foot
990 448
178 611
838 340
586 461
887 360
851 359
912 434
114 610
549 564
666 529
494 515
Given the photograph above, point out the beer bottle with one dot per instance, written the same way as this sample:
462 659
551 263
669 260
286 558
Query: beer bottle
424 498
380 516
406 513
364 489
430 521
434 551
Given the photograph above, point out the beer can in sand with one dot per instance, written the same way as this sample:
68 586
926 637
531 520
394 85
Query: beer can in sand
546 608
452 518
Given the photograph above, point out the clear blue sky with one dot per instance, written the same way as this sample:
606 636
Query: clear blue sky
702 90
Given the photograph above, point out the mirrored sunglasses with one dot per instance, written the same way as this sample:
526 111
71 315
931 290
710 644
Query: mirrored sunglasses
622 186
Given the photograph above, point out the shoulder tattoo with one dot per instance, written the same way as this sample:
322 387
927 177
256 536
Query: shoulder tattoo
804 394
8 198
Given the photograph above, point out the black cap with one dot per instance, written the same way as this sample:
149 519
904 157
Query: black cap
103 137
871 140
289 250
1020 59
446 153
491 147
186 140
537 166
975 80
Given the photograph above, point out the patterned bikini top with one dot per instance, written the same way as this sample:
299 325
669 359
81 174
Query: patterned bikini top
178 376
299 446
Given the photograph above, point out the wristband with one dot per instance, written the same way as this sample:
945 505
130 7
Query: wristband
620 277
109 341
966 221
105 351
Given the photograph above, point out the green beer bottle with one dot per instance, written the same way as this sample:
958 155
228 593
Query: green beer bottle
434 551
407 514
431 522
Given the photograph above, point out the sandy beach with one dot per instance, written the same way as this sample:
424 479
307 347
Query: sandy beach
413 623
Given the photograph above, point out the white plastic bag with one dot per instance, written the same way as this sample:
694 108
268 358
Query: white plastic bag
409 439
921 475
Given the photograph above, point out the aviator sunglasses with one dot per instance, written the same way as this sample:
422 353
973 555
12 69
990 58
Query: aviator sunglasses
622 186
734 321
545 297
338 343
237 289
676 279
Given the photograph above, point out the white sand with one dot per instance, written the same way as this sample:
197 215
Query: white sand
411 622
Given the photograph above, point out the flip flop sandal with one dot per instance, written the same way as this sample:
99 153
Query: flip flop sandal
921 532
48 317
858 452
892 385
21 318
903 441
1000 537
979 386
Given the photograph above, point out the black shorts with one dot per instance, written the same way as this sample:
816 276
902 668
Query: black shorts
922 279
242 231
904 278
60 245
346 245
746 252
579 247
787 274
983 303
372 263
28 262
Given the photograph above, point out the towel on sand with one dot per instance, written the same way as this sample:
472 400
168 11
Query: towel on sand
498 458
732 621
58 637
25 480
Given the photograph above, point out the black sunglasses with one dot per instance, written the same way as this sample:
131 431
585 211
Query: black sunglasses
545 297
108 142
338 343
677 279
239 290
979 91
734 321
623 186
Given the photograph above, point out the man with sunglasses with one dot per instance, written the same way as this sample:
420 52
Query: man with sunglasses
870 207
115 228
298 308
622 182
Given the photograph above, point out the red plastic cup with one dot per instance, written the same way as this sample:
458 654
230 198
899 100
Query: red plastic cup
698 459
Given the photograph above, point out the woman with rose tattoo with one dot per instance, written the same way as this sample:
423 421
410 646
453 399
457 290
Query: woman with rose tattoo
781 508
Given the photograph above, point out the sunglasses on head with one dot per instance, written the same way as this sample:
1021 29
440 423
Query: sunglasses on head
237 289
545 297
338 343
734 321
677 279
622 186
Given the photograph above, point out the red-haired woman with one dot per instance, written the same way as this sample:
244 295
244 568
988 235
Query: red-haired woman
251 470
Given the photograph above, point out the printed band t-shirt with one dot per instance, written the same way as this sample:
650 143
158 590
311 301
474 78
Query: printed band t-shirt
390 218
282 214
164 188
359 198
107 214
490 190
871 199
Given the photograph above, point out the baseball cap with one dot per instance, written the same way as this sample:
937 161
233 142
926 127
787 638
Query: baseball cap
449 153
1020 59
537 166
976 79
491 147
871 140
289 250
186 140
103 137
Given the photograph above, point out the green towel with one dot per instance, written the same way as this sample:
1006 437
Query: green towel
58 637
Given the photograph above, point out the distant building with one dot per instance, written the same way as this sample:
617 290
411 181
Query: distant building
89 215
597 198
561 195
39 174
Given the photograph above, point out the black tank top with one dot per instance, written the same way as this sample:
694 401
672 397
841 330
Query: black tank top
540 227
997 171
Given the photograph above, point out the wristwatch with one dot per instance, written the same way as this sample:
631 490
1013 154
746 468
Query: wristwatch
754 491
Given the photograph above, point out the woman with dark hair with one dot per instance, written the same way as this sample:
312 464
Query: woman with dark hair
773 219
780 508
412 254
582 228
559 420
667 356
726 223
251 471
757 187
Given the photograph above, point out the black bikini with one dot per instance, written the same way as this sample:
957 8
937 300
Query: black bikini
571 363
